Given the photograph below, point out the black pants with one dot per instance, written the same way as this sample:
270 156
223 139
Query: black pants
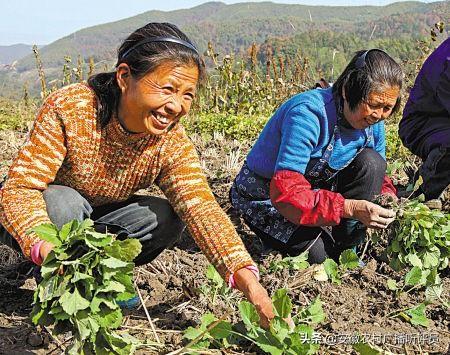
361 180
149 219
435 172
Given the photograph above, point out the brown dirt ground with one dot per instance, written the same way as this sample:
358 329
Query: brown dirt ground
170 287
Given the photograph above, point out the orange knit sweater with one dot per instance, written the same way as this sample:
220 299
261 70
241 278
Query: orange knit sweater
67 146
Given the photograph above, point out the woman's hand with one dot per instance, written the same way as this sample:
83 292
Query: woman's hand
370 214
256 294
45 249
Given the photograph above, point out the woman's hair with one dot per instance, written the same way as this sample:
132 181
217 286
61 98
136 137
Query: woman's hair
143 56
369 71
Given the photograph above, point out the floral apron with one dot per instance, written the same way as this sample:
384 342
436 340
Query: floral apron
250 193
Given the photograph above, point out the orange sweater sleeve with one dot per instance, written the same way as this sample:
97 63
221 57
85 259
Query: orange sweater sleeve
22 205
185 186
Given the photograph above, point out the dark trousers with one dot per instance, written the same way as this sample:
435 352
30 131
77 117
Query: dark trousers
149 219
435 172
361 180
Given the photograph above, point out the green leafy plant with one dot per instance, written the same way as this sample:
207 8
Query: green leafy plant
413 279
419 239
415 315
83 278
348 260
216 285
281 337
298 262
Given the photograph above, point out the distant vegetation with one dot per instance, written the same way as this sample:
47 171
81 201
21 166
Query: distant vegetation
328 36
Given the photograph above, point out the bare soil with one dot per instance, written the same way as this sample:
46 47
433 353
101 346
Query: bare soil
171 289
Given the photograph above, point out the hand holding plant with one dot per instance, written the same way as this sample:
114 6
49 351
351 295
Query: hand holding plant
370 214
45 249
256 294
98 272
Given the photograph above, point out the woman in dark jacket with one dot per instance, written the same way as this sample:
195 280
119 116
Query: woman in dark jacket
425 127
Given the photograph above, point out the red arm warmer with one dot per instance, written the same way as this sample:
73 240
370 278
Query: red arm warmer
388 186
292 196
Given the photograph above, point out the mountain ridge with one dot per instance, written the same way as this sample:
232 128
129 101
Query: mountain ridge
232 26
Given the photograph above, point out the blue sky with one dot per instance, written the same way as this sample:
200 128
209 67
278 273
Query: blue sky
44 21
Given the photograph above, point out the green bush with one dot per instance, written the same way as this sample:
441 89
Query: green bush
238 127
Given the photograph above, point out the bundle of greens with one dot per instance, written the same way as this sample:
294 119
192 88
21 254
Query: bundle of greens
420 239
83 278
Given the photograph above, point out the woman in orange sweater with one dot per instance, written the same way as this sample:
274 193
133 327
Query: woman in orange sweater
94 145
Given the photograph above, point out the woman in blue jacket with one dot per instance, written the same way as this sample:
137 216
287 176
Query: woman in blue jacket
308 181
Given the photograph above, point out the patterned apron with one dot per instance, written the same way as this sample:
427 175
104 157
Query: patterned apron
250 193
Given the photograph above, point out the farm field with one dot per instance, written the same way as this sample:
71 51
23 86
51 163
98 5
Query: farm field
395 302
171 287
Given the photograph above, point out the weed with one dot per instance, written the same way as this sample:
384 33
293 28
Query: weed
280 338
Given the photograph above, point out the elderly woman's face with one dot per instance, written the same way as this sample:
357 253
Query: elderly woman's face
158 100
377 107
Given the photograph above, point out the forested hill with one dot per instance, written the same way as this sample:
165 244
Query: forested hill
233 28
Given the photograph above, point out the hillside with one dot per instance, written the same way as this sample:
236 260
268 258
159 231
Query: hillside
9 54
233 28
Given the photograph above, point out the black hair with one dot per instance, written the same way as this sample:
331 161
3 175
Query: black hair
143 59
369 71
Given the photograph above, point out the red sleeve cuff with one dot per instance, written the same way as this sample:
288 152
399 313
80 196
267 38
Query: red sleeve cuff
292 196
388 186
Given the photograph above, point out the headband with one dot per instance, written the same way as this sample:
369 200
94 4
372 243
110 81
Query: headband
361 61
159 39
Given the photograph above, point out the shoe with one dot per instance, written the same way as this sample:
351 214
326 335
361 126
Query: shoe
130 303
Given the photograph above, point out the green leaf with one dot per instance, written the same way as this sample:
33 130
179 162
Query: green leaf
221 331
86 325
49 268
279 329
431 259
392 284
282 303
320 273
73 302
365 349
348 259
126 250
108 318
113 263
97 242
125 279
414 260
80 276
67 228
268 343
395 246
112 286
418 316
85 225
47 232
36 313
207 319
249 315
191 333
47 289
413 277
331 268
433 293
315 311
214 276
101 299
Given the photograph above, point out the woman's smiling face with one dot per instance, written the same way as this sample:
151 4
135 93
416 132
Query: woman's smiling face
156 101
377 107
